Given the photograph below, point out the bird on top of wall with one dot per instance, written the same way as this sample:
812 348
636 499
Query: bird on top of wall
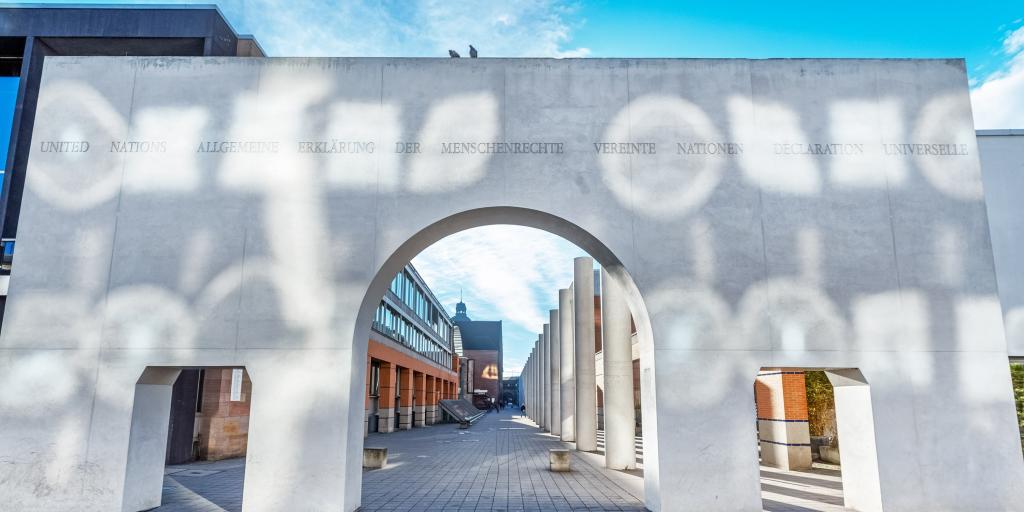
453 54
472 52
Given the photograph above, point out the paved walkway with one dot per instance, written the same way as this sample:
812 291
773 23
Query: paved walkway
819 489
498 464
204 487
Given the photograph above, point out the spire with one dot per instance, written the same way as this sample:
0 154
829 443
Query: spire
460 310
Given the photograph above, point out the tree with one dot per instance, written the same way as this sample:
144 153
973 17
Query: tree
821 405
1017 377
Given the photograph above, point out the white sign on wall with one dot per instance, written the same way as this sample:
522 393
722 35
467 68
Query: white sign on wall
236 385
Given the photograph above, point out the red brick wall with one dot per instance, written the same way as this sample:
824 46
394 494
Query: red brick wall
794 399
223 424
392 357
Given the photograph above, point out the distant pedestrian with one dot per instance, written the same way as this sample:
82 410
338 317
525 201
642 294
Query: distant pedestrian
522 410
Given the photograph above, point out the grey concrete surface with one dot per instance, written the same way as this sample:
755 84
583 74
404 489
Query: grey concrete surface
567 404
758 213
617 349
1002 168
554 335
583 349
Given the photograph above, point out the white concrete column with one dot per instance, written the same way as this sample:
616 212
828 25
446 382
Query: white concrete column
545 357
619 412
540 383
147 441
528 379
524 381
568 385
536 384
858 453
583 335
531 403
556 373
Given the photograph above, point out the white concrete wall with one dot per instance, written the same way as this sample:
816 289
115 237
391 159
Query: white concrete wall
1002 159
276 261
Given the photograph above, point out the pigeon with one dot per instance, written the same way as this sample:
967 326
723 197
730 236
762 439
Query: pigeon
472 52
453 54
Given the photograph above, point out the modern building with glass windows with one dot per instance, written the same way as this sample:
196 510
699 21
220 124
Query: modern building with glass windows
411 361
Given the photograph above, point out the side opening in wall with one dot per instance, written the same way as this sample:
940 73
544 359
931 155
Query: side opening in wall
189 433
816 439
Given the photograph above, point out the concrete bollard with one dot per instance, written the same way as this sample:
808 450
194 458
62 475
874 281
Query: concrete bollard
559 459
375 458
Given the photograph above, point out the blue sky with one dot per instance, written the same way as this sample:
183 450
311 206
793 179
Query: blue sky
513 273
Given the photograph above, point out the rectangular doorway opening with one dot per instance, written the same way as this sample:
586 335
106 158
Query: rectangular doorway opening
189 438
815 440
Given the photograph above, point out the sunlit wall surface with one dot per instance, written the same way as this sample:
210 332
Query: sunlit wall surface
252 212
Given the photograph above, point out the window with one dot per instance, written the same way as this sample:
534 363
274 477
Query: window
375 378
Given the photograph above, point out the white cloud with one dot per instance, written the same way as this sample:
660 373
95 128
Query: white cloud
998 100
508 273
1015 41
365 28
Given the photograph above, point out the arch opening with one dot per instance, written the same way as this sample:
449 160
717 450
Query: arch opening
372 378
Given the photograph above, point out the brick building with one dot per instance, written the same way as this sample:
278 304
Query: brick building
481 345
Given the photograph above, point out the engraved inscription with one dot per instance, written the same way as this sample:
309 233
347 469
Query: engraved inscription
335 146
496 148
832 149
407 147
238 146
138 146
926 149
626 148
709 148
63 146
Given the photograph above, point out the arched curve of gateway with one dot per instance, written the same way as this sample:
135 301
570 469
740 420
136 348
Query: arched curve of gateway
761 218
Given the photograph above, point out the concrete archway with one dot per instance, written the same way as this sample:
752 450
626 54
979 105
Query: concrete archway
531 218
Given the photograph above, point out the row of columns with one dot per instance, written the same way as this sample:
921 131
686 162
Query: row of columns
560 378
418 395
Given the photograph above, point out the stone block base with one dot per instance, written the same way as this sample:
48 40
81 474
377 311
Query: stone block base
405 418
386 421
375 458
558 459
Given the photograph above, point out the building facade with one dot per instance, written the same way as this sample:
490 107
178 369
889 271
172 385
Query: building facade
411 360
481 342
